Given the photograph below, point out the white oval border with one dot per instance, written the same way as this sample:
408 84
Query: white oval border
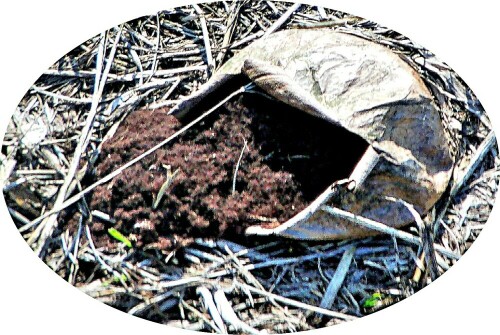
35 34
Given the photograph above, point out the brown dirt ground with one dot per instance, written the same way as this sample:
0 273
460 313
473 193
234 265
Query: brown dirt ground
290 159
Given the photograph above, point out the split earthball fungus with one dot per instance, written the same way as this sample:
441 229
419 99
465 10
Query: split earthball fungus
372 93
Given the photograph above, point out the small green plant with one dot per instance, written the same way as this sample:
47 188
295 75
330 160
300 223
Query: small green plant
120 237
115 280
373 300
119 279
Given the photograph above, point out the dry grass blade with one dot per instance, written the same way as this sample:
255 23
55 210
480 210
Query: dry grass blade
212 308
425 230
245 273
170 179
238 166
206 39
283 19
47 227
370 224
231 25
298 304
337 279
81 101
486 145
140 308
228 314
479 155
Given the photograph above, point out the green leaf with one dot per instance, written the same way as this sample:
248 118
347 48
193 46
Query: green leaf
114 280
119 236
121 278
373 300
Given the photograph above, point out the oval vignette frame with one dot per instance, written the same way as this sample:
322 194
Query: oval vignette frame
434 284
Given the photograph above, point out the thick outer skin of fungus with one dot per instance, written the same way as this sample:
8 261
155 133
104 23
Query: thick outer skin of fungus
368 90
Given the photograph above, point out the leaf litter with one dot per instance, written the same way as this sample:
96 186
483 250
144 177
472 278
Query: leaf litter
273 285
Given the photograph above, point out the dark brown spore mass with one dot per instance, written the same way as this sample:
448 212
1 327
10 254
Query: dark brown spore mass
289 159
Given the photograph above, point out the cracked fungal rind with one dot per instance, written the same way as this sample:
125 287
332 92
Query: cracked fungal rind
368 90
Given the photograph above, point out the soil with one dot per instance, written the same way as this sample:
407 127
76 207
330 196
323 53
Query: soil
288 160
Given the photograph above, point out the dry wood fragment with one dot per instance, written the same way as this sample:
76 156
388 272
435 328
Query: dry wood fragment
337 279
